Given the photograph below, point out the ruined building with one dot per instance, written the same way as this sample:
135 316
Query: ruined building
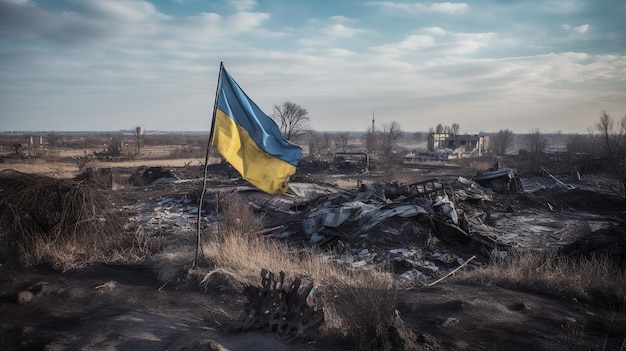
460 144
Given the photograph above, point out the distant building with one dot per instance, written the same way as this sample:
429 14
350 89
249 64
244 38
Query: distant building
463 144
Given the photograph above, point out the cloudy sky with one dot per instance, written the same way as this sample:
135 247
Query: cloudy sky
552 65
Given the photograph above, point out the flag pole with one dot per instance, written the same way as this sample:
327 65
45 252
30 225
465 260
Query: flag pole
206 162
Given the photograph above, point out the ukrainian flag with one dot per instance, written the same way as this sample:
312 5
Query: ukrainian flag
250 140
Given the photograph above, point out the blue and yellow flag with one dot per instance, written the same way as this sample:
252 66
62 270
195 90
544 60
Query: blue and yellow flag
250 140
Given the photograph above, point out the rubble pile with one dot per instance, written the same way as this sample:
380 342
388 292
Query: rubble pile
422 230
500 180
166 212
152 175
419 232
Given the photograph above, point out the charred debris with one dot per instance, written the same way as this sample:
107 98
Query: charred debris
421 230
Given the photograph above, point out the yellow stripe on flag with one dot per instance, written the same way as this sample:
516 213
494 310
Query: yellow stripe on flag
266 172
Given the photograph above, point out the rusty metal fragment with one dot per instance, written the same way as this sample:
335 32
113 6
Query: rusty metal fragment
290 311
500 180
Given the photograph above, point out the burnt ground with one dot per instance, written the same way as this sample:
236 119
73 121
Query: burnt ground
127 307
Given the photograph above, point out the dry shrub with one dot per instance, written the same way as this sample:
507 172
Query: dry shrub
237 216
597 278
168 263
359 307
59 221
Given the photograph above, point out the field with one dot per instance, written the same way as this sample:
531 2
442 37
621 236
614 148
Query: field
100 252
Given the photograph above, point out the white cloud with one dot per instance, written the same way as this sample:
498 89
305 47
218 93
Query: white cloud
85 23
559 7
459 43
461 47
243 5
483 37
19 2
315 41
414 42
211 27
443 7
449 7
325 33
434 31
125 63
577 67
119 10
409 45
246 21
206 23
343 19
340 31
582 29
337 52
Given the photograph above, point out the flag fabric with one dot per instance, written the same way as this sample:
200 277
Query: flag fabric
250 140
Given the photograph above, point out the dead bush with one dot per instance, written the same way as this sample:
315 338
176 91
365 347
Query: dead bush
362 311
59 221
237 216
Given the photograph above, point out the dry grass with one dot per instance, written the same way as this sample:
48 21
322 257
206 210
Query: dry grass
62 222
186 152
599 278
359 307
389 168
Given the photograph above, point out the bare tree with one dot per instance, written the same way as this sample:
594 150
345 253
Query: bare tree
454 128
535 144
613 134
292 119
341 142
391 134
502 141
